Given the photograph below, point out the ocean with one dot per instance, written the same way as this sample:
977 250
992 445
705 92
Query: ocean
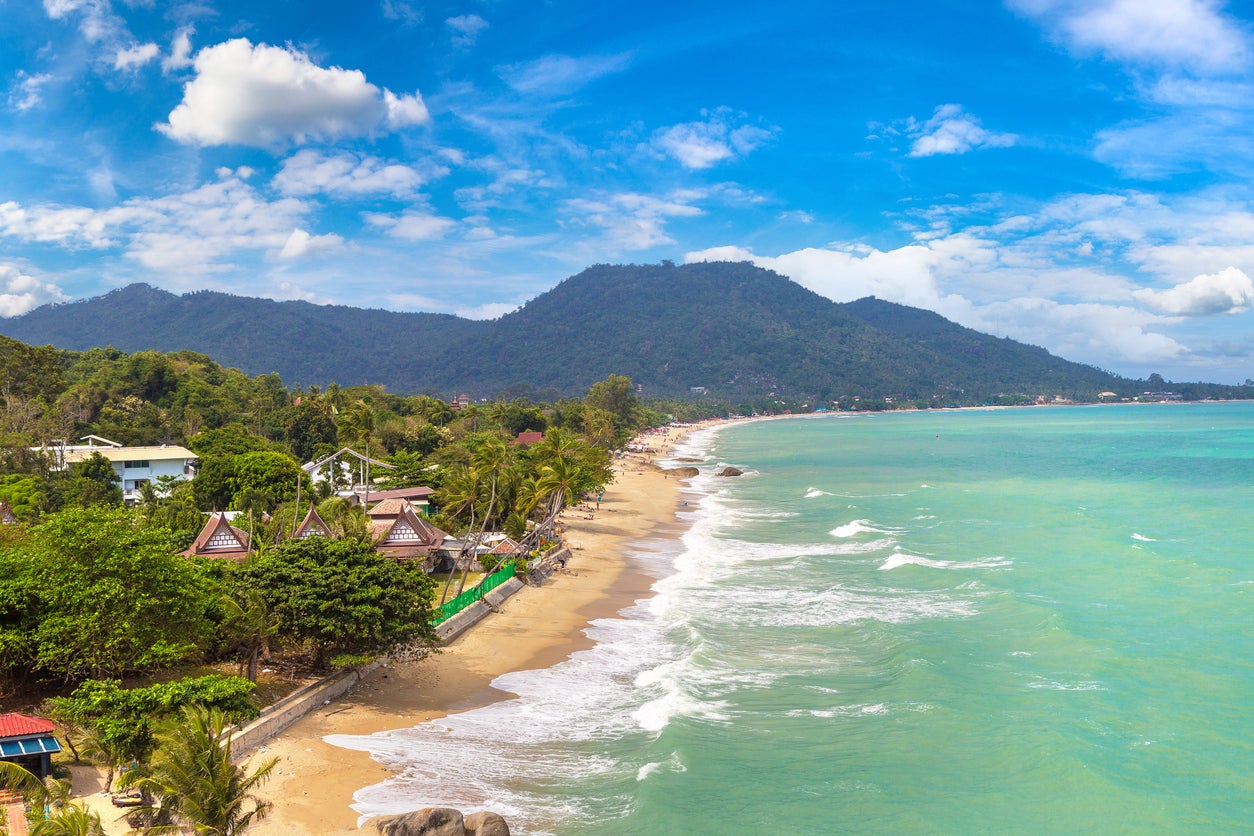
1033 620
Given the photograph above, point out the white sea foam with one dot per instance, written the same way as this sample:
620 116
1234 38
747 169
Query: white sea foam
814 493
903 559
1143 538
671 764
856 527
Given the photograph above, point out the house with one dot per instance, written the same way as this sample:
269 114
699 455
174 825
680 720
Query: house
399 531
135 466
526 439
7 517
28 742
220 539
312 526
419 497
339 467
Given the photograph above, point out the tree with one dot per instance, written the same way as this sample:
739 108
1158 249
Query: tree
93 481
272 476
105 594
340 594
308 425
193 782
617 396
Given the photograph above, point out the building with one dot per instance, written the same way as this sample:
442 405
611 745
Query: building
220 539
399 531
28 742
135 466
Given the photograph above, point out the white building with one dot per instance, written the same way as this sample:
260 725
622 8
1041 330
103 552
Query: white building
135 466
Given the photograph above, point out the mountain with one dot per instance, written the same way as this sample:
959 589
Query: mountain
735 329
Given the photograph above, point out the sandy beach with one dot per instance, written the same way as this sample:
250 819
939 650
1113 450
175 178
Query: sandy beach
313 784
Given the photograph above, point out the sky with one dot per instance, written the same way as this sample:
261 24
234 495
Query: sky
1074 174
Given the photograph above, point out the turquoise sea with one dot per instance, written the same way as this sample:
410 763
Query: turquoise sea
1028 620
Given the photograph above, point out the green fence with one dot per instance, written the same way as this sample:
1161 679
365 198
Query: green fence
453 606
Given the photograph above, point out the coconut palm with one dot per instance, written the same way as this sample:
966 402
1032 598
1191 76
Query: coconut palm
193 783
70 820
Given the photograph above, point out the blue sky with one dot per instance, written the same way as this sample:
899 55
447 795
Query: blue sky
1076 174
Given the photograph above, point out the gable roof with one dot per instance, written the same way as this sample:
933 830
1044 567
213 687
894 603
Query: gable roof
310 467
219 539
419 494
526 439
400 531
507 546
312 526
18 725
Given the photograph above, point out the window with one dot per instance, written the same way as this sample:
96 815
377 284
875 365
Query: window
136 464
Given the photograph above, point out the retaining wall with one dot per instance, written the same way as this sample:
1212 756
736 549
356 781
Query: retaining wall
476 612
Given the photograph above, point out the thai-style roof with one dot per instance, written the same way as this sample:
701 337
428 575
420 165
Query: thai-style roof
506 547
312 526
20 725
400 531
7 517
310 467
219 539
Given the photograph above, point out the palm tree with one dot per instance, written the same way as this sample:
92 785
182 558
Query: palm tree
249 626
70 820
357 424
193 783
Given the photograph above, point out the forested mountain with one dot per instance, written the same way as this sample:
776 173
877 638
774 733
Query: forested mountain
735 329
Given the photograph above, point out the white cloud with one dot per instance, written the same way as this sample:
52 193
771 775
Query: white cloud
345 174
180 57
717 139
134 57
951 131
266 96
20 293
300 243
1188 34
631 221
402 12
556 75
466 28
488 310
27 90
1228 291
412 225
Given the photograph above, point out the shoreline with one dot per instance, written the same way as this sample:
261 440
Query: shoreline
314 783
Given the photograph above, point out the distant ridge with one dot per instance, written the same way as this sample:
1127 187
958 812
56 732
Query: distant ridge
735 329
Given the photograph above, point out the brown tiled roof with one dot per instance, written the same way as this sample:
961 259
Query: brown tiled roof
17 725
398 493
402 532
312 525
506 546
526 439
388 508
219 539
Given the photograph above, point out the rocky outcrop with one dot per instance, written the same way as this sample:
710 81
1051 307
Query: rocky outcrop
731 471
688 459
442 821
684 472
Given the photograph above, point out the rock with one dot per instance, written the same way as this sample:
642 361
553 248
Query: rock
730 471
688 459
442 821
684 472
429 821
486 824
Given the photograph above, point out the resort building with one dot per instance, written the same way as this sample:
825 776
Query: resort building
135 466
400 531
28 742
220 539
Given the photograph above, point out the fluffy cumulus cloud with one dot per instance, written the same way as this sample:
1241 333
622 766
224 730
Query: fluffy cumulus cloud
300 244
466 28
953 131
345 174
1193 35
1228 291
20 293
721 136
266 96
134 57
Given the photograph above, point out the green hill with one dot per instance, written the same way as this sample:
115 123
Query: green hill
735 329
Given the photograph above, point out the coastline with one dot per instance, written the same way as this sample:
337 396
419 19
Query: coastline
313 785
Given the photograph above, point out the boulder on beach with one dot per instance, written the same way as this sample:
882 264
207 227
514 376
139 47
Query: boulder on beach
688 459
731 471
684 472
442 821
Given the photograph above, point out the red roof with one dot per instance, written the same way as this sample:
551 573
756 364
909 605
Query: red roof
526 439
19 725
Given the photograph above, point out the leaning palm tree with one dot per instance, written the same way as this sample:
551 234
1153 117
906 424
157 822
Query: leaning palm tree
193 783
